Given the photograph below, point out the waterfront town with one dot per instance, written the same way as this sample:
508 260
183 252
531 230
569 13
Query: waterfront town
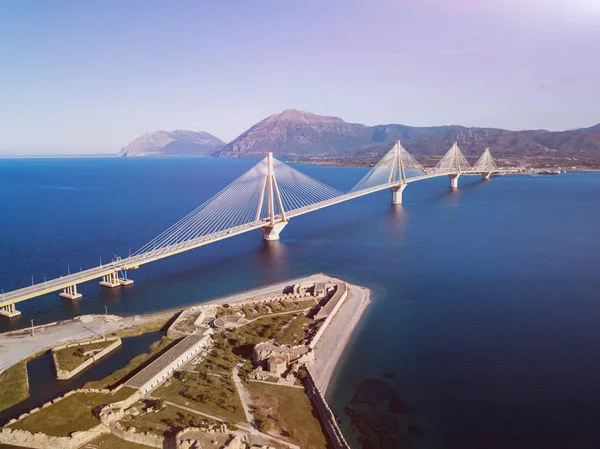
246 371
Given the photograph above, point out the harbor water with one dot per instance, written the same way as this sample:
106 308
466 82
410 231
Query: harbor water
483 328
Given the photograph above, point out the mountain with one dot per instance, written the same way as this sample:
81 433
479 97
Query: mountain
296 134
174 143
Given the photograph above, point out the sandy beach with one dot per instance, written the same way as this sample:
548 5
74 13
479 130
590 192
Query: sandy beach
338 334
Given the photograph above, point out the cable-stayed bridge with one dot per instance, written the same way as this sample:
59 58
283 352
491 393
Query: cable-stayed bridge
264 198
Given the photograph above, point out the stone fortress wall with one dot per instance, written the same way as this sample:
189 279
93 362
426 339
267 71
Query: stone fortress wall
329 310
64 374
38 440
327 418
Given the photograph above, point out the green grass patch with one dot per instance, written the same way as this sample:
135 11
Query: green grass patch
115 378
297 331
70 358
287 413
214 395
72 414
14 385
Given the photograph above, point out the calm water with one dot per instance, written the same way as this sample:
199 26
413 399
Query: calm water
484 329
43 385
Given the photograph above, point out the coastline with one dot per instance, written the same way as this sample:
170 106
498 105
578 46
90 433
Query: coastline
338 336
20 345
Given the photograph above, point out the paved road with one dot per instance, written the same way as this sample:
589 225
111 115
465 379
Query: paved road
18 345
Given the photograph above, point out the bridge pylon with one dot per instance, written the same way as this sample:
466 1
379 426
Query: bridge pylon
273 203
398 173
454 163
393 171
486 164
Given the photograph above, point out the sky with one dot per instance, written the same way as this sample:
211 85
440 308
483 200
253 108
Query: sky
82 76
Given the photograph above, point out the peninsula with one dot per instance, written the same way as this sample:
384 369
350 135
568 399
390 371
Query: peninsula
249 370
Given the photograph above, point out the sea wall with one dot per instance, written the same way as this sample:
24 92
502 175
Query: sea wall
325 414
64 374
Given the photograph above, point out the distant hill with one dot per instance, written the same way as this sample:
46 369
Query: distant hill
303 135
297 133
174 143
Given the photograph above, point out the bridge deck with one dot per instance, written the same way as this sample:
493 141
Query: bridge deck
135 261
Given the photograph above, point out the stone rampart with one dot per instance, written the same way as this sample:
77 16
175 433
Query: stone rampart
340 300
23 438
325 414
145 438
64 374
131 399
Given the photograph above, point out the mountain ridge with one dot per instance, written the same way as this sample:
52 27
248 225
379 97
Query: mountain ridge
299 134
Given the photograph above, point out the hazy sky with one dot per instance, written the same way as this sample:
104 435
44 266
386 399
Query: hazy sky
93 75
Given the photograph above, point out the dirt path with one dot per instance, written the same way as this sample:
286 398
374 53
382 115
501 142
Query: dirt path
244 395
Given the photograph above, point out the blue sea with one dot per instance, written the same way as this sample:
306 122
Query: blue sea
484 328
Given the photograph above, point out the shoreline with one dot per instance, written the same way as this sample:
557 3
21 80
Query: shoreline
338 337
18 345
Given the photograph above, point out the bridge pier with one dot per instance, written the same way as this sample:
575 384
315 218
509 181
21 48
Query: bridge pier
110 280
9 311
271 232
70 292
454 180
397 193
486 175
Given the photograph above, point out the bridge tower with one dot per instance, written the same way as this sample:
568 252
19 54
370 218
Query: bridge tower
398 172
454 163
273 196
486 164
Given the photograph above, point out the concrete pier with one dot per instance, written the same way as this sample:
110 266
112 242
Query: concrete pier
486 175
124 281
71 293
271 232
9 311
454 181
397 193
110 280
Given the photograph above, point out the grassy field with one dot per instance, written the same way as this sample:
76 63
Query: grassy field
70 414
214 395
297 330
287 413
14 385
136 362
70 358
